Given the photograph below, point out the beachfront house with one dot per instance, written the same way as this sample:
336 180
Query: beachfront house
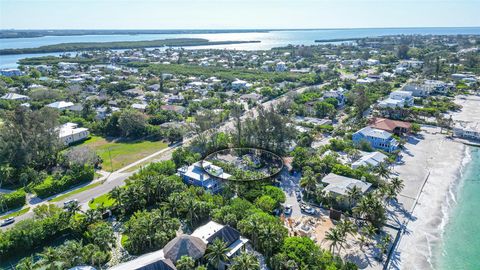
338 185
397 99
70 132
232 238
196 175
393 126
467 130
377 138
418 90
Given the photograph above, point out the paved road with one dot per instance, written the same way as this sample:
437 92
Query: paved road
118 177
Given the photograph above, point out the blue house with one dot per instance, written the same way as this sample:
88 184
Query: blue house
196 175
377 138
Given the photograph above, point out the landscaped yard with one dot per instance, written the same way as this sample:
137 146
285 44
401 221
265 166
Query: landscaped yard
122 153
105 199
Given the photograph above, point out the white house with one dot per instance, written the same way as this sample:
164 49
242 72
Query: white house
239 84
61 105
418 90
370 159
340 185
70 133
397 99
232 238
14 96
467 130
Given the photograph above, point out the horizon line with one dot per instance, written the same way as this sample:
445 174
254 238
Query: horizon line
227 29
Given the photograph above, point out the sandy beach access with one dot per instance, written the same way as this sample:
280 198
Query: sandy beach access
431 169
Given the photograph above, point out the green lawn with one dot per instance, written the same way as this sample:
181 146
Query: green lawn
16 214
73 192
122 153
105 199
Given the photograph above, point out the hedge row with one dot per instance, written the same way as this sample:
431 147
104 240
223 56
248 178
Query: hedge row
12 200
53 185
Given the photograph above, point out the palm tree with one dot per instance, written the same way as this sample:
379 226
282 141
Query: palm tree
397 184
245 260
27 263
216 253
382 171
308 181
48 258
346 227
354 194
185 263
336 238
191 206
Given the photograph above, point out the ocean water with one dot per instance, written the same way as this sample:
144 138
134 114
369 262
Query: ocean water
267 40
459 248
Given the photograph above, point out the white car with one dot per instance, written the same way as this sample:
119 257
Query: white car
7 221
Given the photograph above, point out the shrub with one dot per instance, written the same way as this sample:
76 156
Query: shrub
12 200
51 185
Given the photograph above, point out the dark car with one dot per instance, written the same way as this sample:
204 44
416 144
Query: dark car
7 221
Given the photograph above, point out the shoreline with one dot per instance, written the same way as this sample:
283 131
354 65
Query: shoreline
424 219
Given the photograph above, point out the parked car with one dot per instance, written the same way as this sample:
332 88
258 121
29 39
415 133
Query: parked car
288 210
308 209
7 221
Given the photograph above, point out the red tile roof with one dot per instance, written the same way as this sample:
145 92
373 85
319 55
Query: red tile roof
389 125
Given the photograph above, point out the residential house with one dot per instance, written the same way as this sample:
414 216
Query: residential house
372 159
10 72
61 105
15 96
70 133
280 67
377 138
467 130
174 108
313 121
139 106
196 175
393 126
338 185
418 90
239 85
150 261
397 99
337 94
232 238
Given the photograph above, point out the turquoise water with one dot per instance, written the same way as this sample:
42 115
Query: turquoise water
267 40
460 247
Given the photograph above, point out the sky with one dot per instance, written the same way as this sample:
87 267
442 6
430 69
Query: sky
236 14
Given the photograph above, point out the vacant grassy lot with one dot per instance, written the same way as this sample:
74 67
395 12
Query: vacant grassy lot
121 153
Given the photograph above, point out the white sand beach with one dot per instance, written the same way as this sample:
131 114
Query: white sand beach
435 161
